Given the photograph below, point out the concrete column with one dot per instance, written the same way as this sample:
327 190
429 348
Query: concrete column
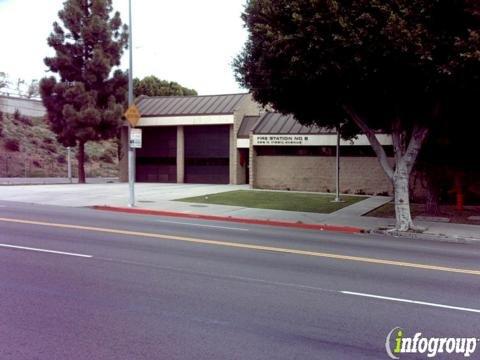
233 157
241 170
180 155
123 154
251 163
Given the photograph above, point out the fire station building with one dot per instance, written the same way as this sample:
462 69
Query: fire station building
230 139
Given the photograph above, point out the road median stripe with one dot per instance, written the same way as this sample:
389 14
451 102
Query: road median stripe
416 302
9 246
250 246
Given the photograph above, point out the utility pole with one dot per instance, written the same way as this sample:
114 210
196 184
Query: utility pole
337 169
131 150
69 164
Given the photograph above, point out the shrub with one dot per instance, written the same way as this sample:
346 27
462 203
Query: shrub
23 119
48 140
383 193
61 159
12 145
106 157
50 148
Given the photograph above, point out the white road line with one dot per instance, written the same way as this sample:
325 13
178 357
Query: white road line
412 301
43 250
202 225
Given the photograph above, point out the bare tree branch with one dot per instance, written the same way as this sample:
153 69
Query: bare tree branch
398 140
419 134
370 134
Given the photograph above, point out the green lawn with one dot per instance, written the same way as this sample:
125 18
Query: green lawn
278 200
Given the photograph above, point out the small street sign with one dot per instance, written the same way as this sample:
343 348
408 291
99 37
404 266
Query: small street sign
136 138
133 115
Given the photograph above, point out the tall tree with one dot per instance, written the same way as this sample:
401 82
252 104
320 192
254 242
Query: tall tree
3 80
153 86
33 89
388 65
18 86
87 102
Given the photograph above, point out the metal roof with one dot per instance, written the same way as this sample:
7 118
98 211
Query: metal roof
248 122
189 105
276 123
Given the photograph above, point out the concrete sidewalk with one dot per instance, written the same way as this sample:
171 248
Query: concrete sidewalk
52 180
161 196
114 194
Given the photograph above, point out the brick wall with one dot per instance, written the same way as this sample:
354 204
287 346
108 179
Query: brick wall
317 173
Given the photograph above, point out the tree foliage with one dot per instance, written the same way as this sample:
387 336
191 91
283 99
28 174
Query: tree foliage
153 86
390 65
87 102
33 89
3 80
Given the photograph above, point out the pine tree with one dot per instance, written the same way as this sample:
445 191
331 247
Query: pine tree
87 102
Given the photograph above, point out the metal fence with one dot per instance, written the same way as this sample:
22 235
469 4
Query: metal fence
30 165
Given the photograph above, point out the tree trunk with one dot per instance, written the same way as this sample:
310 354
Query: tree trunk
81 162
406 152
402 197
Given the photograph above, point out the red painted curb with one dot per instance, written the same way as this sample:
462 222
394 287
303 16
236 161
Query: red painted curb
322 227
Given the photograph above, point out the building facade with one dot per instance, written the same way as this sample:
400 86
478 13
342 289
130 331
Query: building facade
230 139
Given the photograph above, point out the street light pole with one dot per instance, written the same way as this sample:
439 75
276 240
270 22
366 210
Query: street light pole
69 164
131 151
337 169
337 194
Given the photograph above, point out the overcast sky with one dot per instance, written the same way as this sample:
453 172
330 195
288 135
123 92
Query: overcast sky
192 42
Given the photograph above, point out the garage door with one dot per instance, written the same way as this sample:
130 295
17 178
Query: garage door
207 150
156 160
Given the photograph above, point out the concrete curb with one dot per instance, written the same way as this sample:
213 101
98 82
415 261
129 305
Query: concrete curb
428 237
298 225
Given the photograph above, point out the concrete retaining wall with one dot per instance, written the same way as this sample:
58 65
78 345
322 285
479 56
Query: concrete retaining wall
27 107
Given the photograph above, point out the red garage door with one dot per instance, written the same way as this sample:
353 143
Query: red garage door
207 150
156 160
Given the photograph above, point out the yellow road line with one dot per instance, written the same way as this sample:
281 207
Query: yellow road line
249 246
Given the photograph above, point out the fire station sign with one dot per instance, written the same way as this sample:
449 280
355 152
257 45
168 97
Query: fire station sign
287 140
315 140
135 138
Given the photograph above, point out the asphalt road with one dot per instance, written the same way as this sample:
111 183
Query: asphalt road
117 286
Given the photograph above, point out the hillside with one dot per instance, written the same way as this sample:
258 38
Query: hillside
28 148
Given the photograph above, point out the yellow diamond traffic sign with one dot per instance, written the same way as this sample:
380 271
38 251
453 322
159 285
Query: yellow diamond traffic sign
133 115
